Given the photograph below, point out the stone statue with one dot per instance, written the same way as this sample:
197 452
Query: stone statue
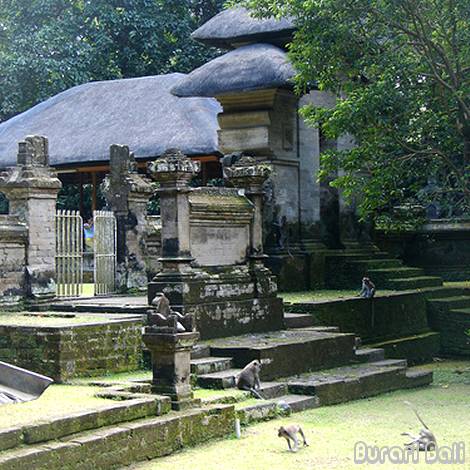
165 319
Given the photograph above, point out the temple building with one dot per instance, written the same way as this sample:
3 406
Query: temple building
242 102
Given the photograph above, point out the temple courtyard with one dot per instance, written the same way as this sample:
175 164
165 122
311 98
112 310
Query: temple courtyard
234 235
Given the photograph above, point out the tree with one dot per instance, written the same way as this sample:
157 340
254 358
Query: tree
401 71
47 46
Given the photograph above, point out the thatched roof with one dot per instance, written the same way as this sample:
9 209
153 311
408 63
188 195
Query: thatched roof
234 27
82 122
247 68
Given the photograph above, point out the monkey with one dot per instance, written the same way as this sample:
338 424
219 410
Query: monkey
425 439
290 433
368 288
248 379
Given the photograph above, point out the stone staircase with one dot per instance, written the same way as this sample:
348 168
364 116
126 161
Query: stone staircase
346 269
138 427
338 372
450 315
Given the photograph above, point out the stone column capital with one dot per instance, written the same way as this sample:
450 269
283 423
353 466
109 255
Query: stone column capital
173 167
249 174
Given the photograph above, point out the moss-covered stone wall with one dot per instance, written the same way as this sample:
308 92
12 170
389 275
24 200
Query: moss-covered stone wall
382 318
64 352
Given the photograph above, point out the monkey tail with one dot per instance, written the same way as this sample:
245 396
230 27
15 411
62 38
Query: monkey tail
416 413
256 394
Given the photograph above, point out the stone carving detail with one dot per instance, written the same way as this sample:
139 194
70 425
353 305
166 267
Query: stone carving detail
174 161
34 151
248 168
166 320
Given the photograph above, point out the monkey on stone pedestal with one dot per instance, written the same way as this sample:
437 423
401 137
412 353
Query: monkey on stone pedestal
368 288
425 440
289 433
248 379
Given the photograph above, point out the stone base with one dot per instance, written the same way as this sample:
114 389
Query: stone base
182 405
225 301
63 350
298 271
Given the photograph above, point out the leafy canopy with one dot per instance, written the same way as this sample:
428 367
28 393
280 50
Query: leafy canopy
401 70
47 46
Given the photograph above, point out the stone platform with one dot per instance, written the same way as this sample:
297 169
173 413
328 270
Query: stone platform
287 352
126 304
394 321
65 345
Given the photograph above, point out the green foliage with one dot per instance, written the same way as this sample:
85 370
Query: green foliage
4 205
153 206
401 70
69 199
47 46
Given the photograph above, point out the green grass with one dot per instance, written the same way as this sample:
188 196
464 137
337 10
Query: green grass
458 285
56 401
49 319
134 376
206 394
324 294
333 431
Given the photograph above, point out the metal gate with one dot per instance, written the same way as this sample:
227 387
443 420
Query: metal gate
69 253
104 224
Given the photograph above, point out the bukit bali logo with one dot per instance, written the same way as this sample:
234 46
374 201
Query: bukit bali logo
443 455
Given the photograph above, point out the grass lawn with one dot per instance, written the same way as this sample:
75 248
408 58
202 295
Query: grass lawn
56 401
123 377
49 319
324 294
333 431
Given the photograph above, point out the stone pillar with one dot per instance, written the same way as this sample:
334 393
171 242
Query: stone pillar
13 239
127 193
251 176
171 364
264 124
31 187
173 170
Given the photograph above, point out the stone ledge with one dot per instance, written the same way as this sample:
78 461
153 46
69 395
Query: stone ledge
131 409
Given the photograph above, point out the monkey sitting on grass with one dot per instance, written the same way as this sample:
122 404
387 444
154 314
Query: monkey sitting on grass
289 433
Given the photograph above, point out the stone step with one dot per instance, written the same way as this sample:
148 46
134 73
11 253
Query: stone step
418 378
125 444
218 380
370 354
299 403
209 365
122 407
418 282
450 303
272 409
417 349
287 352
350 383
297 320
383 274
390 363
200 350
365 264
270 390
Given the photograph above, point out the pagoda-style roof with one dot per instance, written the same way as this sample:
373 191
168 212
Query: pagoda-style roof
82 122
234 27
248 68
